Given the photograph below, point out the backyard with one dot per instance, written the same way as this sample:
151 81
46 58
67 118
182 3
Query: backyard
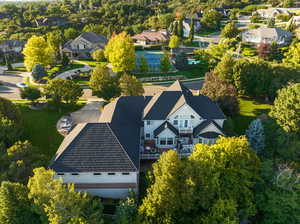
249 110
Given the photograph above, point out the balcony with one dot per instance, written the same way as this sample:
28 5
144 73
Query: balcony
151 152
188 130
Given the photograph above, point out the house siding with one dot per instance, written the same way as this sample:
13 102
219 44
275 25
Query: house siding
118 180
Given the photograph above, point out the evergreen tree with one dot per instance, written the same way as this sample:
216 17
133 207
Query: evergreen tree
192 31
165 63
38 72
144 67
255 135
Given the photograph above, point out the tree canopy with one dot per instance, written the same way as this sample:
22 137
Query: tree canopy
120 53
131 86
37 51
286 109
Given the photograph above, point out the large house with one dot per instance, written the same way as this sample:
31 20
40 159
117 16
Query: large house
12 46
267 35
271 12
104 158
151 37
187 23
84 45
52 21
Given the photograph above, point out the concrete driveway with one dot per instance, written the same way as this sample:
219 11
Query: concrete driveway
88 114
9 88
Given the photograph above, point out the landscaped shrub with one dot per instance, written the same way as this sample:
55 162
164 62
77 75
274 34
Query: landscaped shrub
284 17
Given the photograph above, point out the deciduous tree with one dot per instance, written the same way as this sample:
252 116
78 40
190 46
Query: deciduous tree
30 93
286 109
98 55
59 90
120 53
131 86
230 31
11 122
174 42
15 207
37 51
103 84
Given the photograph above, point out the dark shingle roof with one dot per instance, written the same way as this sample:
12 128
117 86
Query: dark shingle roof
163 126
111 145
94 148
167 102
93 37
203 125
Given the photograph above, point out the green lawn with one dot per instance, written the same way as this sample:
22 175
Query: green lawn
40 127
62 69
93 63
249 110
193 71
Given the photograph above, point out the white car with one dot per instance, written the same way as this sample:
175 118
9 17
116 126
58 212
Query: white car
21 85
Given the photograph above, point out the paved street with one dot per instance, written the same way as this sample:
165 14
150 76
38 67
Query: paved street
9 89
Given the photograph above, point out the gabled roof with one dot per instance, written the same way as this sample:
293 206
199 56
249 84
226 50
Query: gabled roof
203 125
113 144
266 32
92 147
92 37
98 41
13 43
151 36
163 104
164 126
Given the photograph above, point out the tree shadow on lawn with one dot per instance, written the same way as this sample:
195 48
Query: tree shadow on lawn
40 127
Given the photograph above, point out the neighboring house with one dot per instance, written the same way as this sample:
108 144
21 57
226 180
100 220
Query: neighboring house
104 158
12 46
52 21
271 12
295 19
151 37
267 35
223 12
187 22
84 45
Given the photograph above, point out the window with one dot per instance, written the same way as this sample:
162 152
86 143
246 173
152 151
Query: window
111 174
97 174
192 116
170 141
74 174
186 123
162 141
60 174
148 135
125 173
175 122
148 122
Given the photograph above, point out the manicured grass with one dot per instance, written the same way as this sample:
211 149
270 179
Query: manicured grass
93 63
61 69
193 71
40 127
20 69
249 110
